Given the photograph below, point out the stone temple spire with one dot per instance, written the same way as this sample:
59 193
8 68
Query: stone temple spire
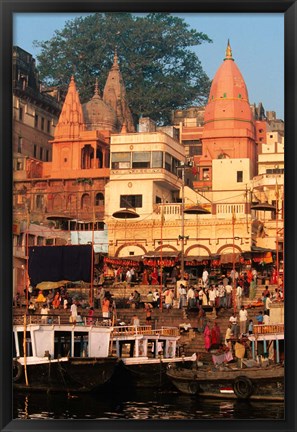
96 90
71 120
114 94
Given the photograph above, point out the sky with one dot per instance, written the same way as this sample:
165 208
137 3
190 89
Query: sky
257 42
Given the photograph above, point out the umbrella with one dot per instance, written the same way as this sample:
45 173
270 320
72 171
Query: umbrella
50 285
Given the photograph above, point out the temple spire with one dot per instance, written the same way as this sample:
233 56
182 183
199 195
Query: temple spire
71 121
228 55
115 60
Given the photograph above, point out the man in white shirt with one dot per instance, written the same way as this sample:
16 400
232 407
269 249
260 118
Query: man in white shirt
212 296
205 277
243 316
228 289
266 318
238 296
234 326
73 310
191 297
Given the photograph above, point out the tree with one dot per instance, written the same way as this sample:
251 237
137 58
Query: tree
160 71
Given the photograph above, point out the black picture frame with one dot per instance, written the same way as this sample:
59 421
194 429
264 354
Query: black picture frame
289 9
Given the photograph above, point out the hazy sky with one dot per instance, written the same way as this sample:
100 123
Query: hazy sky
257 42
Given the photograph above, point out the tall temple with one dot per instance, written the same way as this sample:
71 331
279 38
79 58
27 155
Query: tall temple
114 94
229 127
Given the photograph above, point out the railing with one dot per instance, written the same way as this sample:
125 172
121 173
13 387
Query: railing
268 329
144 330
59 320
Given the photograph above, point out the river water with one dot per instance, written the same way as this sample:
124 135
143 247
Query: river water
139 405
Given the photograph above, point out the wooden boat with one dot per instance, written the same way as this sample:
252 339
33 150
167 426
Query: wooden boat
61 357
255 383
145 354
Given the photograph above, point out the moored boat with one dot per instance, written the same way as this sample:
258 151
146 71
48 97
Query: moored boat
145 354
229 381
61 357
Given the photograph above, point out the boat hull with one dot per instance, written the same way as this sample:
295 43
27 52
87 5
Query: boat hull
249 383
70 375
150 372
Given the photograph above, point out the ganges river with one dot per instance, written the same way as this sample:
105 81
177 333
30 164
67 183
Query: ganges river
138 405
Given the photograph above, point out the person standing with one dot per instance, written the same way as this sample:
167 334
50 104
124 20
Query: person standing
238 296
228 289
128 276
234 324
191 298
243 316
212 296
205 277
251 327
105 308
228 336
215 335
207 337
168 294
266 318
182 296
156 298
267 304
148 314
73 311
44 313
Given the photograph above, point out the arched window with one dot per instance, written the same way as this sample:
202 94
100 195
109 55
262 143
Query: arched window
57 202
71 204
87 155
85 201
99 199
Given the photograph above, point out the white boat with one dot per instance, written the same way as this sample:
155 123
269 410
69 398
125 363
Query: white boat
145 354
61 357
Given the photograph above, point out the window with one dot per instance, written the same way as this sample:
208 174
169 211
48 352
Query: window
157 159
42 123
36 121
121 160
275 171
195 147
99 199
35 150
39 201
21 113
40 241
239 176
175 164
48 126
158 200
168 161
130 201
205 173
47 155
40 153
20 144
141 160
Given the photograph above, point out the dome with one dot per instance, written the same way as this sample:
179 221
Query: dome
228 104
99 115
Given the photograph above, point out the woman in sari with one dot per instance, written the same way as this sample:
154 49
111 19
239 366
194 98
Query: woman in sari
207 337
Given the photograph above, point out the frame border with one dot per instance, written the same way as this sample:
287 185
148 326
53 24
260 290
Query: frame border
7 9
